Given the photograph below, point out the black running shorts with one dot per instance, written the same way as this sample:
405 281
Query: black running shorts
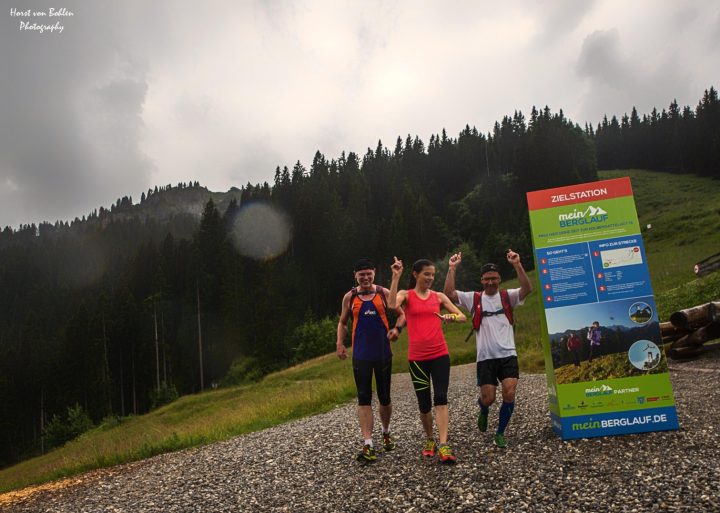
494 370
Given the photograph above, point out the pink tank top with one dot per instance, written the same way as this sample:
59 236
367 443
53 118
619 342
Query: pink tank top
425 336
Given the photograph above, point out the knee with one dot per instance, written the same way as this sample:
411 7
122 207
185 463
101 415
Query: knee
364 398
424 404
384 399
508 393
440 399
487 398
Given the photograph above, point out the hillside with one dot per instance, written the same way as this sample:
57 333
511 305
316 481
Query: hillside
685 227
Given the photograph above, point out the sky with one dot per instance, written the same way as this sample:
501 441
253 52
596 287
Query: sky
132 94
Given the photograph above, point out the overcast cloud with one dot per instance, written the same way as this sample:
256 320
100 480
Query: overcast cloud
134 94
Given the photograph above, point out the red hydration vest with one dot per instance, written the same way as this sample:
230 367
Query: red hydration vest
477 312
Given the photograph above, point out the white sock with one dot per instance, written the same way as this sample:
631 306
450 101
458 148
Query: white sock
368 441
386 430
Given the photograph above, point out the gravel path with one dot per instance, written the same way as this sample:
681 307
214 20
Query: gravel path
308 465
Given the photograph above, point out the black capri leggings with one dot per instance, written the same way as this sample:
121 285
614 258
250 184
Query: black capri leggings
422 373
363 372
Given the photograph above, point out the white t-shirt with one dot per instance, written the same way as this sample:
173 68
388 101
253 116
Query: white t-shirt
495 338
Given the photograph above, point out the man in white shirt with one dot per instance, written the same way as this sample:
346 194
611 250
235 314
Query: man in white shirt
492 313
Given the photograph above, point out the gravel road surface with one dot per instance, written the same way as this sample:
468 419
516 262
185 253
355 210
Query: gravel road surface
308 465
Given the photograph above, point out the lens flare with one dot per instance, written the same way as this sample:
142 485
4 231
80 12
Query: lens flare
261 231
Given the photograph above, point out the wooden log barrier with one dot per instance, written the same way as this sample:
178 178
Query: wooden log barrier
696 316
690 352
699 336
669 332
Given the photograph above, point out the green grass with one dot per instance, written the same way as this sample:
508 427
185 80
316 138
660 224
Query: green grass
685 218
604 367
684 213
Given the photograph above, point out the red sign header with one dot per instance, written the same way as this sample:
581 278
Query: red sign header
580 193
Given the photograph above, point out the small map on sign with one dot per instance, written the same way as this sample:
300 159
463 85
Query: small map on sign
621 257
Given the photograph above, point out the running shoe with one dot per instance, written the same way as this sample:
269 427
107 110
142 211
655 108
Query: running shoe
388 443
482 421
429 449
446 455
367 455
500 440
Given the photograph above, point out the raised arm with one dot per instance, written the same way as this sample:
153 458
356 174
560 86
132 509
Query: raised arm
342 329
449 288
395 299
525 285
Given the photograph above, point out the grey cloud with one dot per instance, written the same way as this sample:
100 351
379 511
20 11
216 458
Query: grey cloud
601 59
684 16
71 115
192 110
609 81
72 105
617 82
714 40
560 19
257 159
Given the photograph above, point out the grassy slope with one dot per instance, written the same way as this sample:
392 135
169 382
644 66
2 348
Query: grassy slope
685 216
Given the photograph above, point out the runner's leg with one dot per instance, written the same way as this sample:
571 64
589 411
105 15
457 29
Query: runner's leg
362 371
383 374
440 374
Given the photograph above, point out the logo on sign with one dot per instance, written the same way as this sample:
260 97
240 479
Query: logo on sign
588 216
601 390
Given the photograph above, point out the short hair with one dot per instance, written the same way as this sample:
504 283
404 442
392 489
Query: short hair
364 263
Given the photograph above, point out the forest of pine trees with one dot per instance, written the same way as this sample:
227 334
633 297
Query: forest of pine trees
675 140
105 312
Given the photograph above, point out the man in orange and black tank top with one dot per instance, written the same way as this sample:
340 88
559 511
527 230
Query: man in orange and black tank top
371 354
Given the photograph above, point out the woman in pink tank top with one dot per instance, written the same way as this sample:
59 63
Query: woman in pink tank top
427 350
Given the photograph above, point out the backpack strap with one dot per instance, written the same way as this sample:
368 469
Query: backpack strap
379 291
477 312
507 307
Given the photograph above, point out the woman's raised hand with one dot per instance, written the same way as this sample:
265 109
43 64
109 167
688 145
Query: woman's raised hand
397 267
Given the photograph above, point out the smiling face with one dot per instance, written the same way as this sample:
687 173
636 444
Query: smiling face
491 281
425 278
365 278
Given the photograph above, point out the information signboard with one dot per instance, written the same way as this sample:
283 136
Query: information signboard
607 372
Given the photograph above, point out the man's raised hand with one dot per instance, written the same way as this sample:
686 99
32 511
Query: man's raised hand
513 257
455 260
